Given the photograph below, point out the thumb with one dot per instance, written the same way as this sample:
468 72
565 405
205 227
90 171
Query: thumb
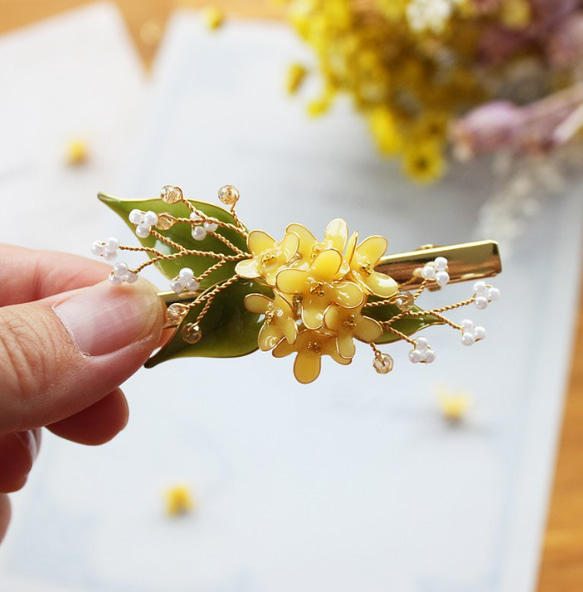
63 354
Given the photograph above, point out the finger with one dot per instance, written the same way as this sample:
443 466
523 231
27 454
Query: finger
97 424
29 275
4 515
63 354
18 452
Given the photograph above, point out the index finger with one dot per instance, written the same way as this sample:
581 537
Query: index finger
29 275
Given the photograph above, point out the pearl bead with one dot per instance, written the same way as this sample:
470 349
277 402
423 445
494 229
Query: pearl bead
429 356
109 255
112 244
480 287
97 248
150 219
428 273
383 364
130 278
468 339
441 264
467 325
210 226
192 285
136 217
480 333
494 294
198 233
186 274
120 268
115 280
142 231
229 195
421 343
176 286
442 277
481 302
415 356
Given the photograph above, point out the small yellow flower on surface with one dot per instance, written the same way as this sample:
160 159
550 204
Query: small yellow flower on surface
319 286
348 324
335 237
279 319
179 500
384 129
424 161
77 152
214 17
269 256
454 406
516 14
296 75
310 346
363 260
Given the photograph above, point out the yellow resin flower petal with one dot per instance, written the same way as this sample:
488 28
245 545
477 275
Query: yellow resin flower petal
326 265
313 311
381 285
289 245
260 241
247 269
367 329
307 239
269 337
336 234
347 294
290 330
283 349
372 249
292 281
345 344
256 303
307 366
351 247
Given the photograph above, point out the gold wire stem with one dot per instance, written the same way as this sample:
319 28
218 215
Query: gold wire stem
439 316
398 334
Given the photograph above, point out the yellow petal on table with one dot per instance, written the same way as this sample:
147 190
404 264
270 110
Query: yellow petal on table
260 241
289 245
247 269
347 294
326 265
372 249
269 337
307 367
307 239
292 281
381 285
345 345
256 303
367 330
336 234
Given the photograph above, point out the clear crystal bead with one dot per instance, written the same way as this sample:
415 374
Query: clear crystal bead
229 195
191 333
165 221
404 301
175 313
383 363
171 194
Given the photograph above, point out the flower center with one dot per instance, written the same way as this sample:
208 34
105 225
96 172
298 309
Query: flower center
314 347
366 269
349 322
317 289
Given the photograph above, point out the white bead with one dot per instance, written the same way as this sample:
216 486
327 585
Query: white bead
130 278
210 226
440 264
415 356
467 324
150 218
198 233
109 255
194 216
97 248
468 339
421 343
494 294
115 280
428 272
142 231
429 356
192 285
176 286
186 274
136 216
481 302
480 287
112 244
442 277
480 333
120 268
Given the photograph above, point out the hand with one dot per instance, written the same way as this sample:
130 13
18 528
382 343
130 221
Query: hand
67 341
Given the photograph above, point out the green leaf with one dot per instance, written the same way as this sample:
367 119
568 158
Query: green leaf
407 325
228 329
181 233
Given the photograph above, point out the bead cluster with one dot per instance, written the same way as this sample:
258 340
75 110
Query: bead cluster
201 228
421 353
185 281
471 333
484 294
143 221
437 271
121 273
106 249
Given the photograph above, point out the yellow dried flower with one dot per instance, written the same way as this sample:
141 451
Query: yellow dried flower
179 500
424 161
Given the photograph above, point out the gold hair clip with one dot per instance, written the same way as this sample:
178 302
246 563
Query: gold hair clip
234 291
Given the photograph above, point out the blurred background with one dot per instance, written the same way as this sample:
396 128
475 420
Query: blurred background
423 120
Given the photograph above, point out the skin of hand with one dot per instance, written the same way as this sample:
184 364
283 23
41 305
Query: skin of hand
68 339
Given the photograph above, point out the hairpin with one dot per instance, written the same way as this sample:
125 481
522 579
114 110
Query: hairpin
234 291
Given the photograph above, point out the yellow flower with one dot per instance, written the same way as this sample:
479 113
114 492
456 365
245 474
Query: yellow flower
319 286
268 256
424 161
310 347
516 14
349 324
385 131
279 319
335 237
363 260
